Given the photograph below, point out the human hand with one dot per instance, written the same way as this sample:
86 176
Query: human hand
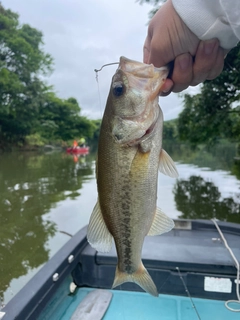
169 39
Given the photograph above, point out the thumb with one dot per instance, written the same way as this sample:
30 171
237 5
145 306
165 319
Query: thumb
146 50
159 56
157 50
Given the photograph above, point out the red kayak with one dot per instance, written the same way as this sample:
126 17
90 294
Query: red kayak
78 150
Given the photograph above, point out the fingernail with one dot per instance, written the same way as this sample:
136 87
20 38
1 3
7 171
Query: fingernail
184 62
145 55
209 46
167 89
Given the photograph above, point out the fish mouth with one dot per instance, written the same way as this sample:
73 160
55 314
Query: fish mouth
142 76
139 69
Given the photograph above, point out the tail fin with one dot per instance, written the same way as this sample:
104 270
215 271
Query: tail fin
140 277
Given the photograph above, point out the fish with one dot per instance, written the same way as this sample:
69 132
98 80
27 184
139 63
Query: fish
130 154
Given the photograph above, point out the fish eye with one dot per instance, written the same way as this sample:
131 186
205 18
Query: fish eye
118 89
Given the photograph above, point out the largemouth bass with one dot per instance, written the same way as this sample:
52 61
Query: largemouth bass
129 156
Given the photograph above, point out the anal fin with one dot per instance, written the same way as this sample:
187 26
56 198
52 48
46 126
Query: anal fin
161 223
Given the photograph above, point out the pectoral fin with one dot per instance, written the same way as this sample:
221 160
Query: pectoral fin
166 165
98 235
161 223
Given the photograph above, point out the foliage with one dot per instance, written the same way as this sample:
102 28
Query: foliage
21 62
60 119
215 112
170 130
29 111
35 140
97 124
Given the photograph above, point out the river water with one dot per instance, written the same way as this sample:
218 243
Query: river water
47 197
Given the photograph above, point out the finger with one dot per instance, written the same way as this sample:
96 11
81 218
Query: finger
182 72
208 61
166 88
215 72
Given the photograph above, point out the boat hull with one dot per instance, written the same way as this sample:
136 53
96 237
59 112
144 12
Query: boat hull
78 150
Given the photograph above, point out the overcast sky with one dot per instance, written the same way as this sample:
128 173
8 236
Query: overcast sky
83 35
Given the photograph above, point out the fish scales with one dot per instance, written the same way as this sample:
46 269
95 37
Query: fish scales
121 200
129 154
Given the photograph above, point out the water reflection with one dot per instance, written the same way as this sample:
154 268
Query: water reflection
235 169
218 157
198 198
41 194
30 185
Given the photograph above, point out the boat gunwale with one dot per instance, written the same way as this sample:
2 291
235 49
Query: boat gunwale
31 299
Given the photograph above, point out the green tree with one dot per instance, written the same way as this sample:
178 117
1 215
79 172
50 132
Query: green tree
170 130
60 119
214 113
22 61
29 111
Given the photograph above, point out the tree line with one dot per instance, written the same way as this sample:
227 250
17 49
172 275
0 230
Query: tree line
30 111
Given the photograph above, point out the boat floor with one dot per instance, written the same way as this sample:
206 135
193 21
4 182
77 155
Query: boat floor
126 305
